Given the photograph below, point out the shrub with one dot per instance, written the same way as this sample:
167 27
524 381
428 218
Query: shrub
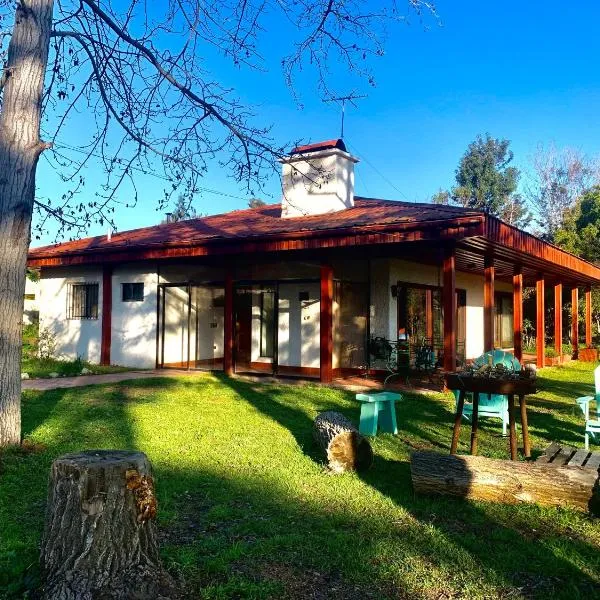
46 344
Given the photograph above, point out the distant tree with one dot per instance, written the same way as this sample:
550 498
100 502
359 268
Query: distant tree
557 179
256 203
441 197
183 211
579 233
486 181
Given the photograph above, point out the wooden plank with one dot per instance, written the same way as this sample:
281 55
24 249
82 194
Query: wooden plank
558 321
488 304
578 458
326 324
562 457
540 323
518 313
228 326
575 321
593 462
588 317
449 302
106 327
549 453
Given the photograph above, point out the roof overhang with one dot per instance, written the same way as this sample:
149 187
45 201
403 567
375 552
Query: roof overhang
475 236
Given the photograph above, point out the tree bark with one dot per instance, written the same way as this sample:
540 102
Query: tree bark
20 149
100 539
508 482
345 448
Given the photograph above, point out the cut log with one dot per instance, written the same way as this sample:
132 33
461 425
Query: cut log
100 537
345 448
509 482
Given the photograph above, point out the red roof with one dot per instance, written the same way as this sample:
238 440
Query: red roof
316 146
264 221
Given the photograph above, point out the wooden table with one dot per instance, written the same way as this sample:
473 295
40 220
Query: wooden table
465 383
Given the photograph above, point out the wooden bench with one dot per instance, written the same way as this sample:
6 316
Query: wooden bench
566 456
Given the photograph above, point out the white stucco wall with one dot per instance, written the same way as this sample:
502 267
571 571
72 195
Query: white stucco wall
134 323
74 337
299 325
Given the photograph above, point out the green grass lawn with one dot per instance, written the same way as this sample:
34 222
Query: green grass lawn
247 509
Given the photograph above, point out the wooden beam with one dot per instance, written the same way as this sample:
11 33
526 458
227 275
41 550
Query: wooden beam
449 302
488 304
558 321
228 326
429 314
540 330
518 313
588 317
575 321
326 323
106 332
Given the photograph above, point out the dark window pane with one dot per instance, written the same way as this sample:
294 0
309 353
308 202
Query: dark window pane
82 301
132 292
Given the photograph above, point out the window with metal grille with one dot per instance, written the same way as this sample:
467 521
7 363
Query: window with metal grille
82 301
132 292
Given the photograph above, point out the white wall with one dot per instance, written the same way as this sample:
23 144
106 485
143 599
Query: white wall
74 337
31 305
299 325
134 323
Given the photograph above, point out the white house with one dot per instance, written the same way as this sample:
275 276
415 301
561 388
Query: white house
304 287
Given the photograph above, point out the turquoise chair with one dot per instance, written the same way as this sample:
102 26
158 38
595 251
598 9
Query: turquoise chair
592 426
491 405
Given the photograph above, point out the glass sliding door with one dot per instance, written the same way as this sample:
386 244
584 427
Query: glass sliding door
190 326
503 321
255 317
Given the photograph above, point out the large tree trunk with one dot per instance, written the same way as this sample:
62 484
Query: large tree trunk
20 149
100 538
345 448
505 481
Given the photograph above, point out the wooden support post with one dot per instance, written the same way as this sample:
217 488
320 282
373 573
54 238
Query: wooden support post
449 302
488 304
518 313
588 317
106 335
228 326
429 314
558 321
540 330
326 323
575 321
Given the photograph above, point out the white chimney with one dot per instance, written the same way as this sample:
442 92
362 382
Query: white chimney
317 179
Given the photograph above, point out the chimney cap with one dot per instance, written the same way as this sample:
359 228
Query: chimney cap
317 146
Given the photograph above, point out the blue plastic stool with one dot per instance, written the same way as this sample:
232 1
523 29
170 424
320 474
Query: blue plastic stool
378 410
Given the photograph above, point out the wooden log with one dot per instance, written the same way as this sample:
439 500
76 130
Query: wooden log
100 537
345 448
509 482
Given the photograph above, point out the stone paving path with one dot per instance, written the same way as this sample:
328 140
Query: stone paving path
351 384
82 380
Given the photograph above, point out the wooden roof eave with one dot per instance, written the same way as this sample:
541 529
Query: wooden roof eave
441 229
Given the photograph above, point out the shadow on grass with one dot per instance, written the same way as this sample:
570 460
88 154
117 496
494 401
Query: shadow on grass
239 532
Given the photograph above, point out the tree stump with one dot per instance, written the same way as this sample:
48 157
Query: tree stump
100 538
345 448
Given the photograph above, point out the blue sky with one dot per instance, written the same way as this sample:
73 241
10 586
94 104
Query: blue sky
526 71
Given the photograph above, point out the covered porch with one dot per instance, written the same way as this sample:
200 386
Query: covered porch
324 315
